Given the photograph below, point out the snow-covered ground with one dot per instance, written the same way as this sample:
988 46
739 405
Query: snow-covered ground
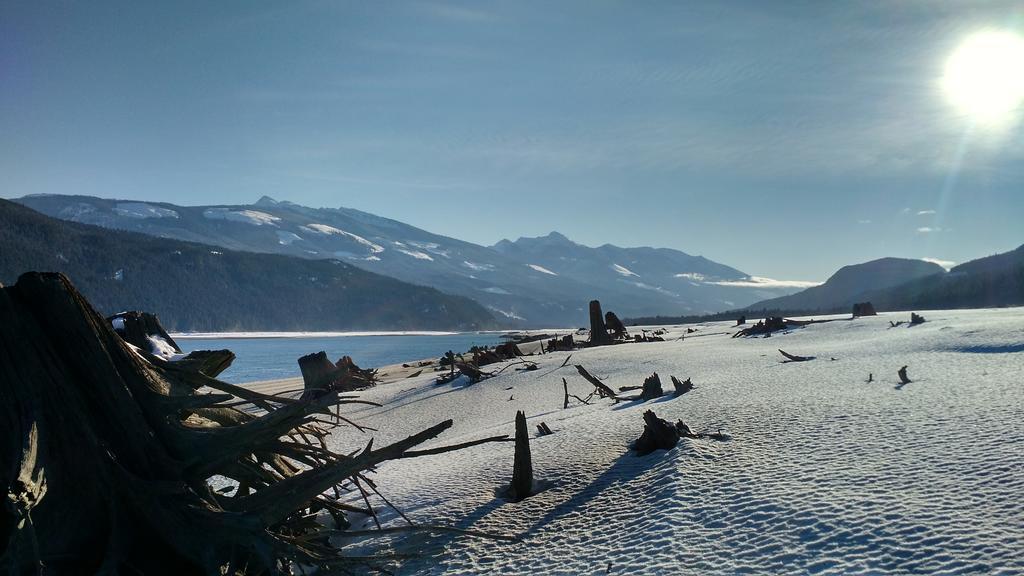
824 473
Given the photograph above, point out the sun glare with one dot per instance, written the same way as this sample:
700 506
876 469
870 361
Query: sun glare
984 77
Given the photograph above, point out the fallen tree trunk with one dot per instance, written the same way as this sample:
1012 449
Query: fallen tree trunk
107 457
794 357
602 389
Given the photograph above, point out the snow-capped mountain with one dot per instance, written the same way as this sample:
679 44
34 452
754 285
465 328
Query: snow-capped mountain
532 281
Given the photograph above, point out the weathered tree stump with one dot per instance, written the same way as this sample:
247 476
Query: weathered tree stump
320 375
616 326
598 331
126 448
658 435
916 319
741 320
681 387
902 373
522 465
652 388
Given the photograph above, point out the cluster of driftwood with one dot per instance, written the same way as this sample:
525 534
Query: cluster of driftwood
320 375
915 319
605 329
107 453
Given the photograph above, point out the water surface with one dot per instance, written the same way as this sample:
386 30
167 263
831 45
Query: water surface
272 358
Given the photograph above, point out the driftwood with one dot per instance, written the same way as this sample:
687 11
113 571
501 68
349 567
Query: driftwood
658 435
794 357
598 331
766 327
681 387
137 329
916 319
106 458
320 375
871 378
602 389
207 362
472 372
616 326
741 320
643 337
563 344
685 432
652 388
522 466
543 429
565 402
904 379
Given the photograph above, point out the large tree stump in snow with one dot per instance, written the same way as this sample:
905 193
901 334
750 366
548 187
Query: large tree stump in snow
126 448
652 388
616 326
658 435
598 331
522 465
320 375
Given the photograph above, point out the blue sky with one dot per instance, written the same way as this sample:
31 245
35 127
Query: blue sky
783 138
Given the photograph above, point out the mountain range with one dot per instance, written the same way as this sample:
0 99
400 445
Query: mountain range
197 287
533 282
854 283
901 284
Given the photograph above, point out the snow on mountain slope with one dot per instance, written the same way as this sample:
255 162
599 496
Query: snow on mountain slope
545 282
824 473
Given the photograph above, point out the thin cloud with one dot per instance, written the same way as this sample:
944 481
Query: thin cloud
925 212
928 229
947 264
761 282
863 221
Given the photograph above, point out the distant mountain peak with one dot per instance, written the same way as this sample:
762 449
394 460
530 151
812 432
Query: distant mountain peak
266 201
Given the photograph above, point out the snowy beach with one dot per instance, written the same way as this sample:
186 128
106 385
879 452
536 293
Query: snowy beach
824 472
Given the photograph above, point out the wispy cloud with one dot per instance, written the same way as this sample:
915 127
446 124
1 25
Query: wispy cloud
947 264
928 229
863 221
761 282
925 212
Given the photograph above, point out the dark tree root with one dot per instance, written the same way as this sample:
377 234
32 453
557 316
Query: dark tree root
106 453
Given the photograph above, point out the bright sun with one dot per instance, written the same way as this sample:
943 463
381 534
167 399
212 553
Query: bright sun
985 76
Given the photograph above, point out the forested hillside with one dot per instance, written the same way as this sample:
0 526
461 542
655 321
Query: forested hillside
202 288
